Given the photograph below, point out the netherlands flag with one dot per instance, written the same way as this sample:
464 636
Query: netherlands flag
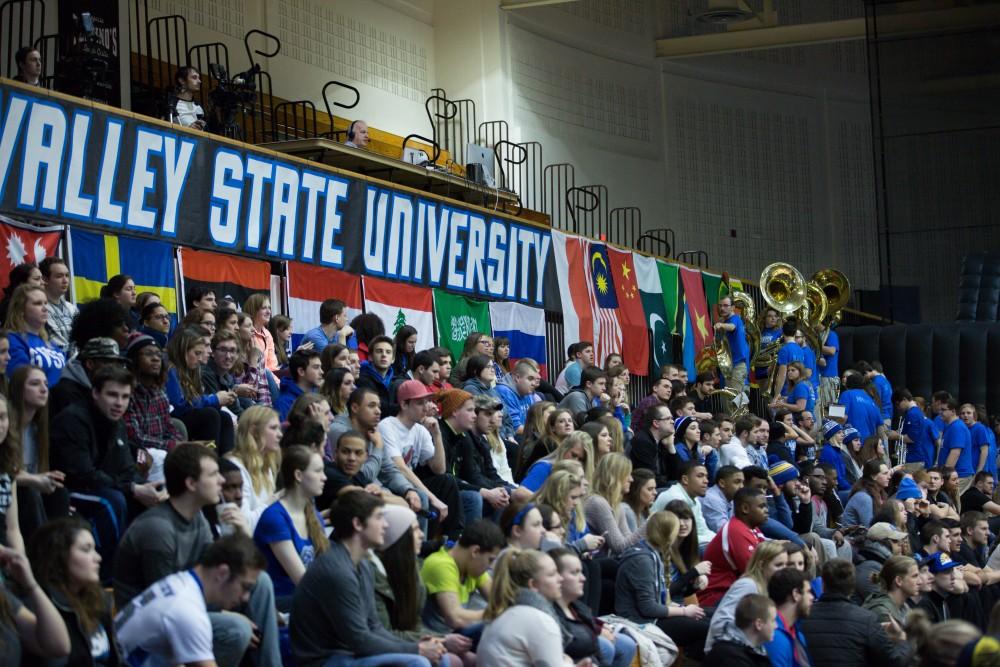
309 286
524 326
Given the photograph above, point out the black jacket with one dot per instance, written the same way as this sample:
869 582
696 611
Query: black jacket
647 453
728 653
214 380
93 451
79 641
840 634
369 379
582 630
456 449
477 464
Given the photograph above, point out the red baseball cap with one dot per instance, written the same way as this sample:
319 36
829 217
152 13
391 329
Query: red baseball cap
412 390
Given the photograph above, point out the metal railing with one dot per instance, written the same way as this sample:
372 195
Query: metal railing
557 180
454 131
334 134
25 24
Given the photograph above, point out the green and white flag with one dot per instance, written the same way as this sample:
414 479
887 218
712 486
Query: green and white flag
457 317
654 306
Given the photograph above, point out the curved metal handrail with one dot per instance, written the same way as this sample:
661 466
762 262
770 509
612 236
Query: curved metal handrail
250 52
572 205
500 161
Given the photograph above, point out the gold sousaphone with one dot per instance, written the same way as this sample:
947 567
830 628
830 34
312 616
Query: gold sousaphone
837 289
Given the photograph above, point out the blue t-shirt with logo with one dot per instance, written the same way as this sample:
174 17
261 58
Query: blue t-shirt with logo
802 389
276 525
957 436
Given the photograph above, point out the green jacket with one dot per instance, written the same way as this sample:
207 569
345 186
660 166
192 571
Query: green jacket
884 607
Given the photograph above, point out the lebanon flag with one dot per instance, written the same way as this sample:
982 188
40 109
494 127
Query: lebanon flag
398 304
635 333
524 327
309 286
23 243
227 275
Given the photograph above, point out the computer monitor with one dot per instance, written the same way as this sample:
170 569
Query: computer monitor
476 154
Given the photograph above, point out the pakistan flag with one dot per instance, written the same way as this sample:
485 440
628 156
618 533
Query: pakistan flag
457 317
655 304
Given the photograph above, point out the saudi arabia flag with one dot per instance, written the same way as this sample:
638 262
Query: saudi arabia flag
457 317
398 305
654 305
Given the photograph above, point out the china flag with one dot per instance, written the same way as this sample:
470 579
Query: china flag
635 335
22 243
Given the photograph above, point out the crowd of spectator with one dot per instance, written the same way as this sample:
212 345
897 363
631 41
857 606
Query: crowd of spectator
203 492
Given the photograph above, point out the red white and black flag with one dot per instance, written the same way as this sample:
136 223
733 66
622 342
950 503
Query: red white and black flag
227 275
25 243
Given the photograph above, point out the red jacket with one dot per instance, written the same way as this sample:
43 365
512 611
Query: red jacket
729 553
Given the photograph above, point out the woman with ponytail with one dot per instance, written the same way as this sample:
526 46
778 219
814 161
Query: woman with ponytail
522 629
290 532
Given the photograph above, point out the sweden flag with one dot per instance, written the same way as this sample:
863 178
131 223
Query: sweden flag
98 257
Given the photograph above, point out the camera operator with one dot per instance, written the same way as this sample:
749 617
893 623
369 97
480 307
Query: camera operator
183 108
29 66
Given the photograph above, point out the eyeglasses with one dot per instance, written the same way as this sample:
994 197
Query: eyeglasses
160 316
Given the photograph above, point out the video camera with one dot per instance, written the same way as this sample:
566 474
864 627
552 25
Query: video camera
87 69
229 96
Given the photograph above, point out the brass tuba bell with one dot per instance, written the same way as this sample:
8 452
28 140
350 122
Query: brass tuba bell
783 287
837 289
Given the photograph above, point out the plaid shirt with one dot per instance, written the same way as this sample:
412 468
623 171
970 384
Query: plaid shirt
148 419
60 321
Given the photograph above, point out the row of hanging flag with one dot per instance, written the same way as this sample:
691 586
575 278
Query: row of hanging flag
633 304
623 301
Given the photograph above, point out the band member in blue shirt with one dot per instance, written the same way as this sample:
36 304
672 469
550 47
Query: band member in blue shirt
731 325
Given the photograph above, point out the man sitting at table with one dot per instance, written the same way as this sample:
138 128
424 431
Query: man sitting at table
357 135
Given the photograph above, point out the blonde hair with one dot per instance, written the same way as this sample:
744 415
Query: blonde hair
938 644
613 471
263 468
569 443
761 558
555 491
615 431
661 532
254 303
513 571
15 311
